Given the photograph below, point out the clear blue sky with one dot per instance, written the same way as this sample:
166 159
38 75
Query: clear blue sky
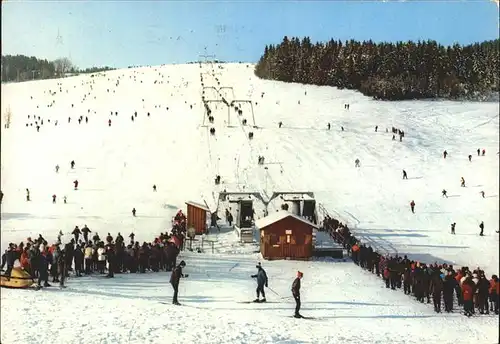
120 33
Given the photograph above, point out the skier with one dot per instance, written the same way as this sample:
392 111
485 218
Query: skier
405 176
109 122
453 227
54 199
296 293
357 163
470 157
376 128
412 206
61 267
75 182
280 124
76 232
85 231
328 126
65 199
444 193
261 282
57 168
174 280
154 188
72 163
481 226
484 152
27 194
436 287
462 182
133 212
111 257
445 153
478 151
482 193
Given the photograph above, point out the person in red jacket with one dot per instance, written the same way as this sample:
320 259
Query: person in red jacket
467 293
494 292
412 206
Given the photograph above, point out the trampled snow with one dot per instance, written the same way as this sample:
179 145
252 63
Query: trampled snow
118 165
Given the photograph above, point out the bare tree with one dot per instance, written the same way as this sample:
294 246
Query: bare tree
62 65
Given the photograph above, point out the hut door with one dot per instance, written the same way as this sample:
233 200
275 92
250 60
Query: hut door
286 244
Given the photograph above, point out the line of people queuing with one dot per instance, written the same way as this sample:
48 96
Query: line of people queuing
85 256
471 289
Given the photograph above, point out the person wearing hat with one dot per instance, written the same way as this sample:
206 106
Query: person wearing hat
174 280
296 293
261 282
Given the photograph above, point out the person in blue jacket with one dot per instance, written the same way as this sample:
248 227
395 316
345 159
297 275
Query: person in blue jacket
261 282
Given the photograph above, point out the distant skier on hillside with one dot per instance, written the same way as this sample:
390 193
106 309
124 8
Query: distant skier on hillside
444 193
357 163
481 227
405 176
72 163
462 182
445 154
27 195
261 282
57 168
453 227
412 206
478 152
470 157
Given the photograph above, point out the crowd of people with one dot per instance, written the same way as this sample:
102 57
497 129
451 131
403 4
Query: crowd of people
86 256
471 289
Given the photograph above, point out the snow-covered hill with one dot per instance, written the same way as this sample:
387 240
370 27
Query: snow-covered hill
117 166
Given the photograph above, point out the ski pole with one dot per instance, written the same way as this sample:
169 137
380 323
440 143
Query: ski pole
274 292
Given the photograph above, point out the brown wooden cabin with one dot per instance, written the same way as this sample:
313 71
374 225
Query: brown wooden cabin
284 235
197 215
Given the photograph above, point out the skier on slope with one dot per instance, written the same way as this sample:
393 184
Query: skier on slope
405 176
175 279
412 206
296 293
261 282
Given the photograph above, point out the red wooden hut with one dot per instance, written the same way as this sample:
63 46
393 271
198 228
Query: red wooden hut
197 216
284 235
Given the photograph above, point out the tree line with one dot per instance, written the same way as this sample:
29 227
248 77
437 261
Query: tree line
387 71
24 68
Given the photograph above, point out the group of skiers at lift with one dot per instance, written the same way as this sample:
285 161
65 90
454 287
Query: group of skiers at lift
420 279
36 256
262 281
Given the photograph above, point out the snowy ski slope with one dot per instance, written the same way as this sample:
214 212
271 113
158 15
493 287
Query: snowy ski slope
118 165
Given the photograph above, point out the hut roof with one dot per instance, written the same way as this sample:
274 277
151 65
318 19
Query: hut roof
198 205
277 216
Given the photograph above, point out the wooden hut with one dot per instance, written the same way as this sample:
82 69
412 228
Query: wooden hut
197 217
284 235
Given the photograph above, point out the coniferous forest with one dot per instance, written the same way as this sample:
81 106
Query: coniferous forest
387 71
